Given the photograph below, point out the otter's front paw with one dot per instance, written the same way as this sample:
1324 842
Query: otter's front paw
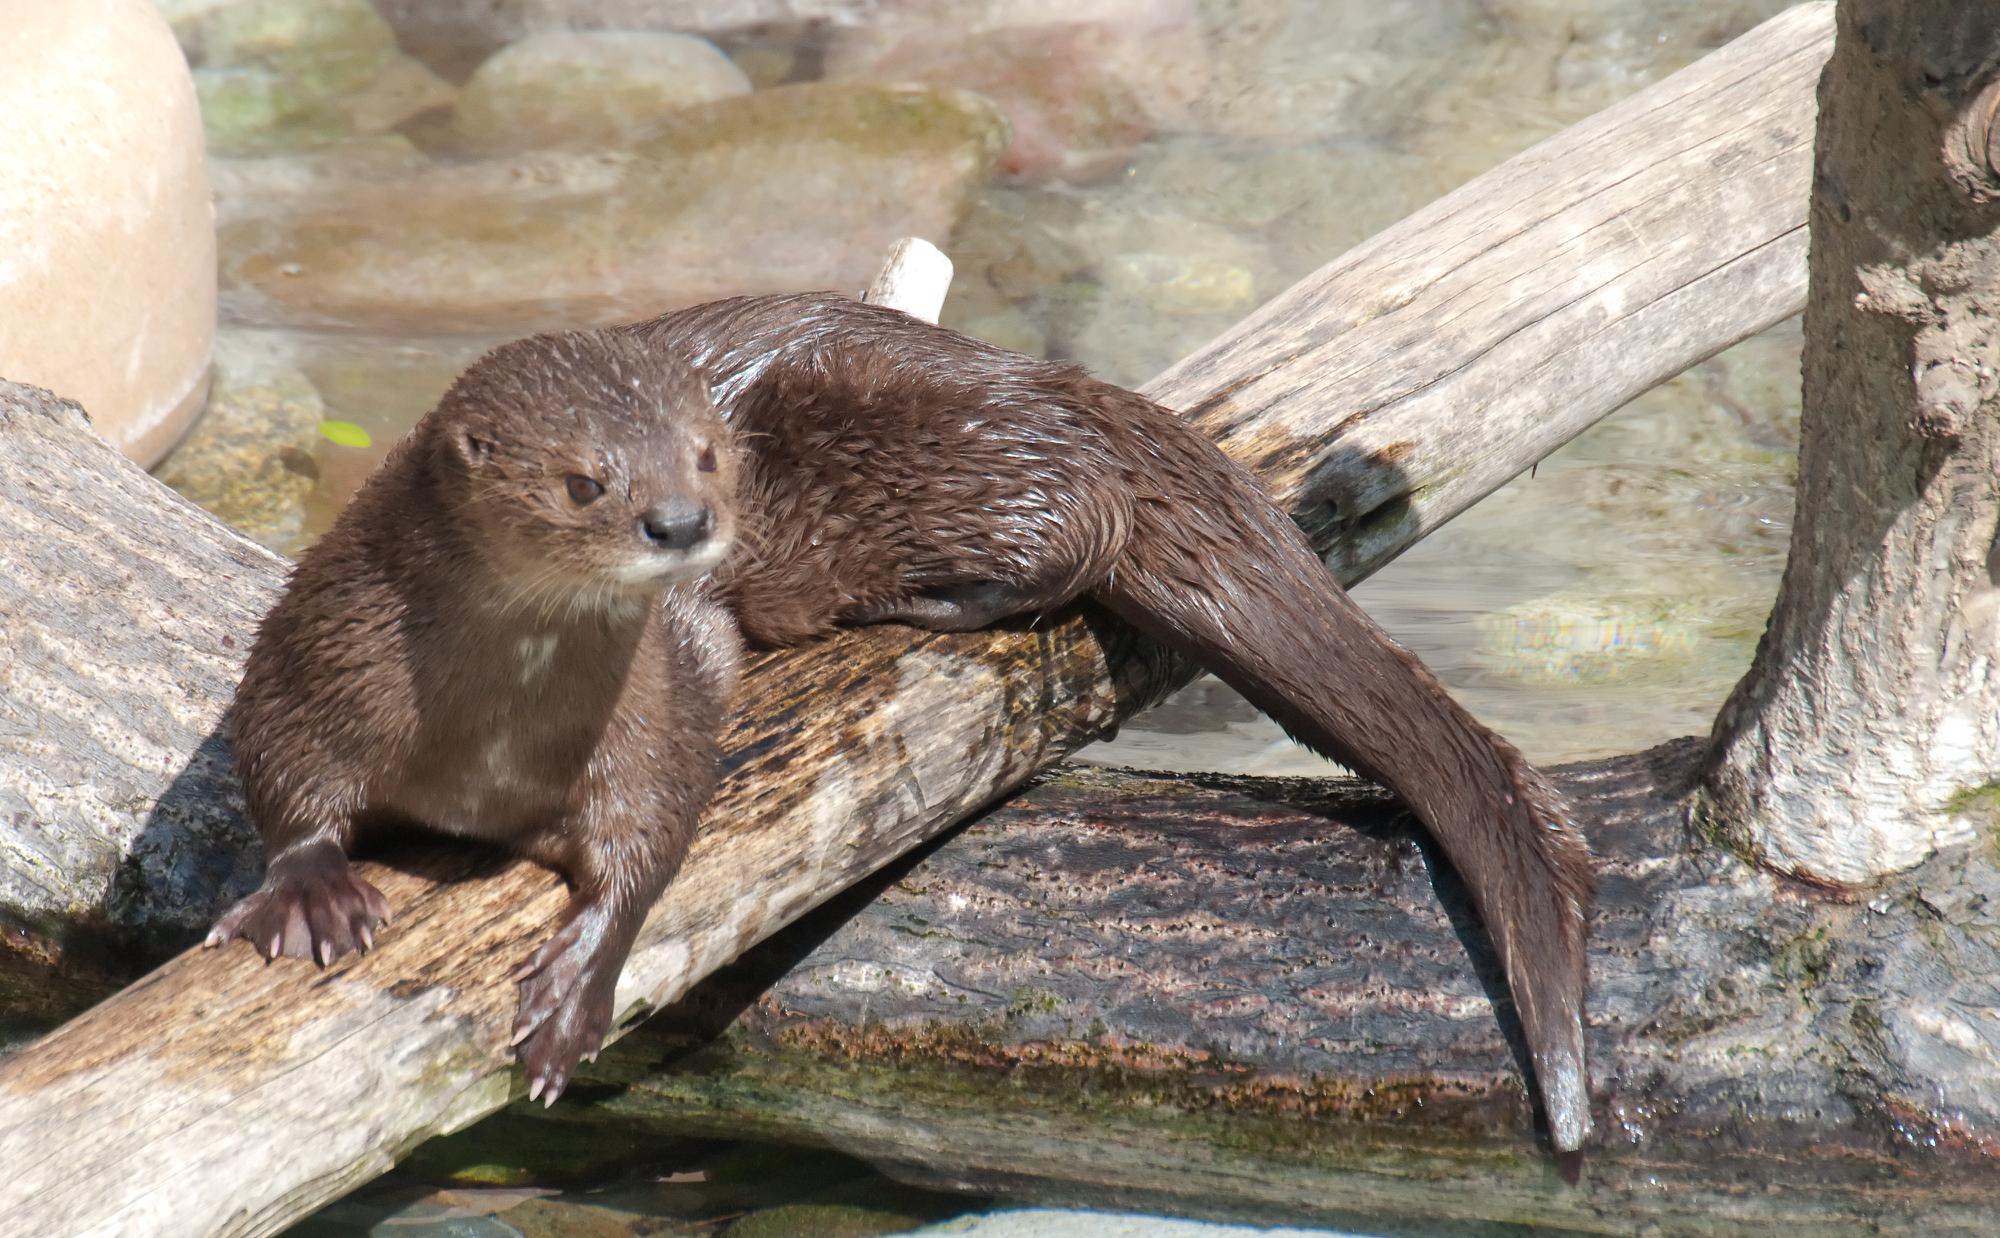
567 988
313 905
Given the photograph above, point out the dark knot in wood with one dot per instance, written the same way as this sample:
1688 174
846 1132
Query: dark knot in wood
1947 393
1979 129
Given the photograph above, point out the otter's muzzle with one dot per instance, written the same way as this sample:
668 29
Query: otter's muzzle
677 524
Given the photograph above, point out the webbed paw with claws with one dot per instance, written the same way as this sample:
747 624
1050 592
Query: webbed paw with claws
312 905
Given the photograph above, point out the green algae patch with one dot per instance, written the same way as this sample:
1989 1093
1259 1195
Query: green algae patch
275 75
1806 959
1983 801
821 1221
1982 805
1049 1102
510 1149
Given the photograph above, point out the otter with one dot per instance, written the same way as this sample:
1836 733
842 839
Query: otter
898 471
505 635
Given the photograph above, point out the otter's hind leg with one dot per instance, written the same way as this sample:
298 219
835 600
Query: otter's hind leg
953 608
1022 566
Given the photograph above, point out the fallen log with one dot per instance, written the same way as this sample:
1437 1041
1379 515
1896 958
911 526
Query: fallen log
219 1096
1269 999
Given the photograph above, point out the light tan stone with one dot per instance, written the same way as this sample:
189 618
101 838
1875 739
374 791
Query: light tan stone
584 89
107 234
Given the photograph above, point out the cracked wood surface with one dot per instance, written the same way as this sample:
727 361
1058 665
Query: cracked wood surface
1269 999
1385 394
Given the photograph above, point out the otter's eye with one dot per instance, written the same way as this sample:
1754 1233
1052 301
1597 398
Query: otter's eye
707 461
583 489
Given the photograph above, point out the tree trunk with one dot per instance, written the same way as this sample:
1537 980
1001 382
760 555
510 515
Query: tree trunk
1867 735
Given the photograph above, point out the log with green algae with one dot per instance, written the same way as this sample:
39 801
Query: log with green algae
1262 999
539 1177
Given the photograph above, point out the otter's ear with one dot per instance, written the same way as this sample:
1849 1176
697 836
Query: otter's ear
472 447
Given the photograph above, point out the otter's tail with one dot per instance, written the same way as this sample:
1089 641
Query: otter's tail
1266 617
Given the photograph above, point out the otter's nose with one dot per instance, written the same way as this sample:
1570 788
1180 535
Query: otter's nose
677 524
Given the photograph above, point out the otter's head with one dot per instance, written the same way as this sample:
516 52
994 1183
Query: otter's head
586 466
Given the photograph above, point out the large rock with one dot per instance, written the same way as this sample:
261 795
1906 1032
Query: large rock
107 240
799 187
589 88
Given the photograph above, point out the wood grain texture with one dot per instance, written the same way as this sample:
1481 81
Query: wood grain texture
126 612
1269 998
221 1095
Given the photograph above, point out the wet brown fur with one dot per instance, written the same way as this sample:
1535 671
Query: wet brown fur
896 470
472 649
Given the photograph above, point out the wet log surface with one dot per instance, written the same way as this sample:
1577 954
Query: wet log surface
1269 999
219 1095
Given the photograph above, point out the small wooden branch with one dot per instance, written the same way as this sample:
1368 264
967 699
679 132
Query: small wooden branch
914 278
220 1095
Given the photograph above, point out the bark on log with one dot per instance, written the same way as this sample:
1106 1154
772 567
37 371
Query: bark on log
1867 734
221 1096
1270 999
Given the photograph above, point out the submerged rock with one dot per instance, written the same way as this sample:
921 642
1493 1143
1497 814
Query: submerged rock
107 242
609 88
798 187
1079 95
820 1221
1186 268
264 457
1598 54
257 185
250 461
1126 281
1595 633
284 74
1285 72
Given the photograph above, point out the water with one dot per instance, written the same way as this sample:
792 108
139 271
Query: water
389 210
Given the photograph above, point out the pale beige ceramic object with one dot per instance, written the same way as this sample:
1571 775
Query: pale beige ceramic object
107 231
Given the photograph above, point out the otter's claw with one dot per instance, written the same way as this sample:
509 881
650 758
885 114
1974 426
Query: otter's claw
313 905
567 987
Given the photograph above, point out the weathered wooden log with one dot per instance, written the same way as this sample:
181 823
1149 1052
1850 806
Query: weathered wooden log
218 1095
1269 999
